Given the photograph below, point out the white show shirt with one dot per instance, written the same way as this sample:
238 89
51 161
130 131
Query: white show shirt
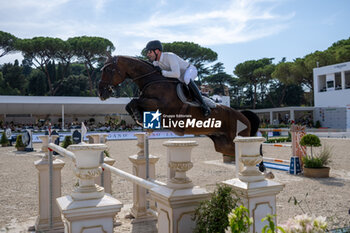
172 65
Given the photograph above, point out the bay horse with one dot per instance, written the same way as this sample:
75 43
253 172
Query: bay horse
159 93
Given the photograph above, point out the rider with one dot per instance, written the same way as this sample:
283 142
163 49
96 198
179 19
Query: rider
173 66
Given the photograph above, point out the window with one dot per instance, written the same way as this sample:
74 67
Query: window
322 83
330 84
337 79
347 79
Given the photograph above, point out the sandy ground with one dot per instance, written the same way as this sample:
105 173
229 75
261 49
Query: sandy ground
328 197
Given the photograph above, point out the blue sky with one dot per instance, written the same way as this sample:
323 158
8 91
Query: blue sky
238 30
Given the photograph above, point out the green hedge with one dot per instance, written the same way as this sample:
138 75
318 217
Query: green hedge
278 140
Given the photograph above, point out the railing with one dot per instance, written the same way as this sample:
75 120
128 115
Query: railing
61 151
89 207
147 190
134 179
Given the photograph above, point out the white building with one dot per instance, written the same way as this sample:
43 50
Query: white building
31 109
332 95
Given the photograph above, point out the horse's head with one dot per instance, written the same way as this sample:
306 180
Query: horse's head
112 75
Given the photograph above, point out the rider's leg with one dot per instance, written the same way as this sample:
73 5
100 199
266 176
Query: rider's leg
190 75
197 95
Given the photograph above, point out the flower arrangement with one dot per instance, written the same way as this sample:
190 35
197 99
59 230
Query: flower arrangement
305 224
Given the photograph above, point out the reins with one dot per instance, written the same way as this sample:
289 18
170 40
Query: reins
144 75
115 61
157 81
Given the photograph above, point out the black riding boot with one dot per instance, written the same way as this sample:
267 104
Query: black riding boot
198 96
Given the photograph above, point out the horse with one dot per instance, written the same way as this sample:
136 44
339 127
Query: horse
159 94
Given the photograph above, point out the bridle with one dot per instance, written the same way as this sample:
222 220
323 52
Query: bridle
114 62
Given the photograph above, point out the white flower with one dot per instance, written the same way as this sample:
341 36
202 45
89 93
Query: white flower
305 224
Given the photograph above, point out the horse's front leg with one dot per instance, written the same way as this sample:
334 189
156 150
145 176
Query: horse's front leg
136 107
134 111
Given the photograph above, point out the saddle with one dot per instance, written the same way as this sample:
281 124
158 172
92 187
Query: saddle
185 96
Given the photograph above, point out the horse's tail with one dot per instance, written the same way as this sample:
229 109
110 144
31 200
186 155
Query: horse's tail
254 121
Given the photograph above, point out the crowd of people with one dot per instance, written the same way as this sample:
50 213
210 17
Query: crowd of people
91 126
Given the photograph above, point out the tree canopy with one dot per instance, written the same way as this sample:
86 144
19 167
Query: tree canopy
7 43
52 66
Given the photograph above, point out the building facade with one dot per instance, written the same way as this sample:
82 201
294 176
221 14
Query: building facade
332 95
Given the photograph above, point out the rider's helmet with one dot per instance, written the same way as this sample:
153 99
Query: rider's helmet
153 45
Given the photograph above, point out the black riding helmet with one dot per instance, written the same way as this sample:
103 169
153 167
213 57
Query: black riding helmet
153 45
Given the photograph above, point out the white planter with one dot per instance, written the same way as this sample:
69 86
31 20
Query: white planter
87 155
248 158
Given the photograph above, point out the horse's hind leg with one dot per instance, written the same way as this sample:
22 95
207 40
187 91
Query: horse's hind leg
223 144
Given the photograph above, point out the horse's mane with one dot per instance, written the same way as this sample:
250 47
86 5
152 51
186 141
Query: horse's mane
138 59
146 63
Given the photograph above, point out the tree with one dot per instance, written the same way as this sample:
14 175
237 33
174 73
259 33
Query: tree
283 76
74 85
37 85
218 79
193 53
265 75
42 50
340 50
64 56
89 50
7 43
236 93
245 72
217 68
13 78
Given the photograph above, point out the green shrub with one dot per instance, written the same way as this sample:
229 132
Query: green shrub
239 220
310 140
4 141
19 142
67 141
312 162
318 124
320 160
271 227
106 152
278 140
212 215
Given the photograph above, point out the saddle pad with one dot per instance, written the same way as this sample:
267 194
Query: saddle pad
182 97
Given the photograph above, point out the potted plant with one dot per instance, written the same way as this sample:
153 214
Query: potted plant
315 165
212 215
67 141
239 220
4 141
19 143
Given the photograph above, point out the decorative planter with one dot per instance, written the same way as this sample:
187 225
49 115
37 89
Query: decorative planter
20 148
322 172
87 168
249 157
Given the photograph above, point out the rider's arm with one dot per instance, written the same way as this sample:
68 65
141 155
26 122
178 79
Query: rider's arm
174 71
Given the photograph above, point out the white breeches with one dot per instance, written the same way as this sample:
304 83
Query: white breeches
191 73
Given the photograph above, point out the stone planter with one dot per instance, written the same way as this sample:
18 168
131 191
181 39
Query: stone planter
20 148
322 172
